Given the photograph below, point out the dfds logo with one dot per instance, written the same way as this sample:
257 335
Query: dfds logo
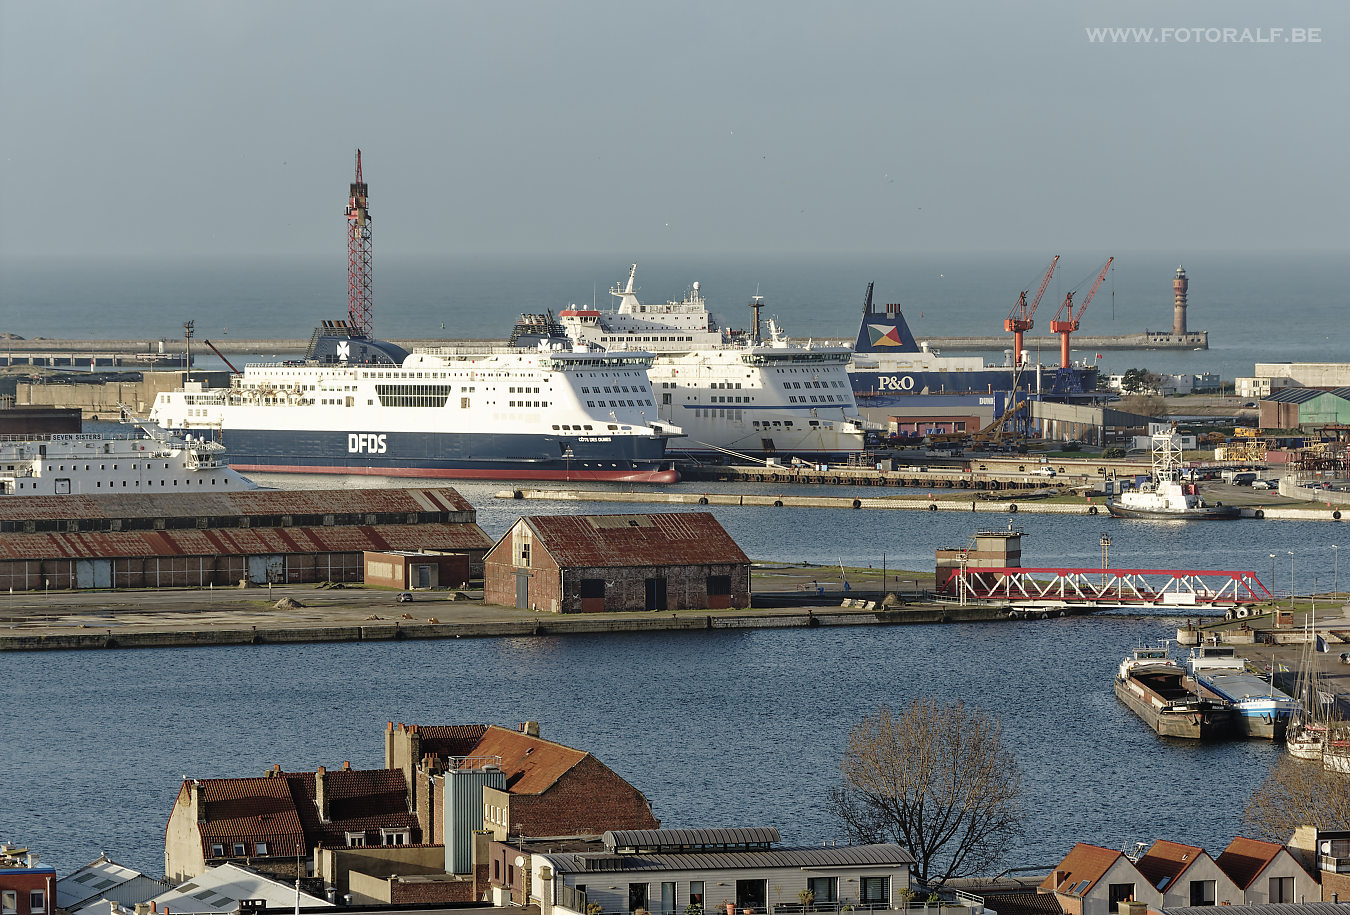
366 443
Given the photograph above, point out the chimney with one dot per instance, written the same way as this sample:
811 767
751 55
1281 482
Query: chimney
1060 877
346 766
32 860
1131 907
142 908
195 800
546 890
530 728
321 793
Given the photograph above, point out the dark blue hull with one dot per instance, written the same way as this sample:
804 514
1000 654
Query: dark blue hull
451 455
872 383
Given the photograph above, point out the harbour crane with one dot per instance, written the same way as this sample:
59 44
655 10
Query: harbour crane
360 301
1066 322
1019 319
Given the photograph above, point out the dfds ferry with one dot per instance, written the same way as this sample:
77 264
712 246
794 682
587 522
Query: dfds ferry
362 406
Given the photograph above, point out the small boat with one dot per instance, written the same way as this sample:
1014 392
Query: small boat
1157 689
1262 711
1164 497
1313 724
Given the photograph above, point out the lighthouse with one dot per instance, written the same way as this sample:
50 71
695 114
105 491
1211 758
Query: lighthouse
1179 302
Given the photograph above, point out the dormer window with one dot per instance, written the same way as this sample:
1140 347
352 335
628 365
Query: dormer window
356 839
395 836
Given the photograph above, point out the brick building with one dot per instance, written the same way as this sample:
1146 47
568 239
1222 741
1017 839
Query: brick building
263 822
26 887
592 563
201 539
547 789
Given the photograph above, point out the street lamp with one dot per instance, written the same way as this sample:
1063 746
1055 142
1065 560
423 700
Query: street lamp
1291 578
1272 576
1335 569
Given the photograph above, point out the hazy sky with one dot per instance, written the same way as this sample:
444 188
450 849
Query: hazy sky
186 128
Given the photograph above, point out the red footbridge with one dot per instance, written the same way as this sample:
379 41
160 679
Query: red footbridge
1088 589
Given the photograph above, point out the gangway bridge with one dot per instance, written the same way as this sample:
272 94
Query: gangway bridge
1038 591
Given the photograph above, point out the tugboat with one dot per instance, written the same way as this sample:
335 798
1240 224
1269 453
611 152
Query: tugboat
1164 497
1156 689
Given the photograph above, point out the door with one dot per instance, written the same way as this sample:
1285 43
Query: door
424 576
523 590
656 594
262 569
751 894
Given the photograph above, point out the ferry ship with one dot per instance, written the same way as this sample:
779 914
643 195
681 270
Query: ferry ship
890 365
87 463
357 405
730 392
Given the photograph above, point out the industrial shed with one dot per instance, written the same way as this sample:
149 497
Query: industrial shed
1292 408
201 539
594 563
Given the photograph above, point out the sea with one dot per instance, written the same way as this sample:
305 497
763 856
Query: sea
1280 306
720 728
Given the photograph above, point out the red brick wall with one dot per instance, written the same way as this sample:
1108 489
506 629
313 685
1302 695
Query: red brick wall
588 800
1335 883
22 885
431 892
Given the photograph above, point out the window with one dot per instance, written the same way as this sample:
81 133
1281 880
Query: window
260 848
217 850
637 896
667 899
394 836
239 851
9 902
37 901
356 839
825 890
1281 889
1202 892
696 893
1117 893
874 890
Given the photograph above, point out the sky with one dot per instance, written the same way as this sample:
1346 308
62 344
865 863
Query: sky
163 128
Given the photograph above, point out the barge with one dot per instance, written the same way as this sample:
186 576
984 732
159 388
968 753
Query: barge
1156 688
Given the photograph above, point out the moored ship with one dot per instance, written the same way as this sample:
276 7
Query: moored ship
88 463
357 405
1156 688
1164 497
729 392
1261 710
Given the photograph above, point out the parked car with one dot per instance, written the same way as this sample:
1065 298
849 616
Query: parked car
1250 403
1265 484
1043 472
404 598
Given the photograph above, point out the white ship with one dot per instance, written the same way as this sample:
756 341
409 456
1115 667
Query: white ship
86 463
364 406
730 392
1164 497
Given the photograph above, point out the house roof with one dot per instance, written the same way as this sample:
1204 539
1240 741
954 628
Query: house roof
447 740
1303 395
248 810
240 503
1273 908
91 880
795 858
1165 861
531 764
219 889
622 541
1244 859
1081 868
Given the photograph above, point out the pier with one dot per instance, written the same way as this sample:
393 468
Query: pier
1149 339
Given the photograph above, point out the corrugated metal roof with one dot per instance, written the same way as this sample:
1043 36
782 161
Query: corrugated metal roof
243 541
1272 908
887 855
620 541
1303 395
688 838
245 502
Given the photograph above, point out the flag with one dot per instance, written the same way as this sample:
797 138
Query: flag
1322 644
1284 668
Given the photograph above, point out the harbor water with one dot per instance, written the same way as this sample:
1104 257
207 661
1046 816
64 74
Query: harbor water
717 728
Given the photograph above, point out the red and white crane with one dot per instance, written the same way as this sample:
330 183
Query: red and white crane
1066 322
1019 319
360 302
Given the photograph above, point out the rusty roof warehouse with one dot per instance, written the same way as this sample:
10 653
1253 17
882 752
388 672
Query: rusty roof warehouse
593 563
200 539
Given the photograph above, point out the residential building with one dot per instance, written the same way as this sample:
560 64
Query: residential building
1092 880
1255 388
1187 876
719 870
593 563
523 785
274 823
105 879
1268 872
26 887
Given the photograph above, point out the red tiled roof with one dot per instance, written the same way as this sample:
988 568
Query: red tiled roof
242 541
1083 863
1167 859
447 740
531 764
248 810
661 539
244 502
1244 859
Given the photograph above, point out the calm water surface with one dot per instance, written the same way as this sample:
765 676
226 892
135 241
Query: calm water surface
723 728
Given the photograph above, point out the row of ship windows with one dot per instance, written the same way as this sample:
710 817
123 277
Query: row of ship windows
529 403
50 468
620 403
615 389
646 339
823 398
63 485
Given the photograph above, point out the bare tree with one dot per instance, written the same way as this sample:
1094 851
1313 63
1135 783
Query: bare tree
935 779
1297 794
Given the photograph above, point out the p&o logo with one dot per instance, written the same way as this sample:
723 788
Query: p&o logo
366 443
895 383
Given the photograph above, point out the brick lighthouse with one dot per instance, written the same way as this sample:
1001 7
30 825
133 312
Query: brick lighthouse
1179 303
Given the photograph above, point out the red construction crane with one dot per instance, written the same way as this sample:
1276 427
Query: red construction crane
1066 322
360 303
1019 319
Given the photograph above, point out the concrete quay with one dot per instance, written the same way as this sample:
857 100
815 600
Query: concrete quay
928 502
1198 339
69 621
